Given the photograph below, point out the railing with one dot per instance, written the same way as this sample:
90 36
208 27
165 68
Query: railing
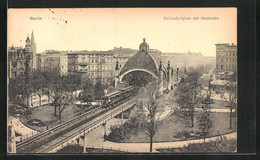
53 124
42 134
88 128
65 141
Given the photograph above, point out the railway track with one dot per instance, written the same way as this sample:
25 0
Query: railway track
37 139
48 140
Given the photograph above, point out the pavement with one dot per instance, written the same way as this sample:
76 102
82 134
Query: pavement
21 129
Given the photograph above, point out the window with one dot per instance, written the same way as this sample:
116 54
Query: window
221 66
15 64
233 53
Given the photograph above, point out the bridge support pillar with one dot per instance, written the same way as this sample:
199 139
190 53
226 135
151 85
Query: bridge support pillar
85 143
105 130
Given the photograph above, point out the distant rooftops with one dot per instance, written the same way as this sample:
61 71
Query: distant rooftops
226 44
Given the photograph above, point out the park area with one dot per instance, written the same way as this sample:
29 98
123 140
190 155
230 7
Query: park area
177 128
42 116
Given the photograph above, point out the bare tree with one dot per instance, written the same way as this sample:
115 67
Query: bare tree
229 95
152 104
38 84
188 95
63 103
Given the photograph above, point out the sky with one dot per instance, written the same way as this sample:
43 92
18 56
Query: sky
106 28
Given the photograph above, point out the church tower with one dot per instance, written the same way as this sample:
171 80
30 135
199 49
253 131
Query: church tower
28 47
33 46
28 55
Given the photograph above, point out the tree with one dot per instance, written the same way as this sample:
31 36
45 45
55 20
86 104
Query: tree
88 91
206 80
152 104
62 93
38 84
204 121
188 94
54 86
18 94
230 96
98 90
63 102
72 83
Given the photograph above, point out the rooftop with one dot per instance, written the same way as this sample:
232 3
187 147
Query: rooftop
143 60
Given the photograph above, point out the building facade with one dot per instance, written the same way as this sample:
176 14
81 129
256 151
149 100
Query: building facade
95 65
22 60
226 60
54 61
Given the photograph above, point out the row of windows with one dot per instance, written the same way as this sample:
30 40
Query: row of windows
15 74
93 74
226 67
102 61
19 55
227 54
227 60
20 64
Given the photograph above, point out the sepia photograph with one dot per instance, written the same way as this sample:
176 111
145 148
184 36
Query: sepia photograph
122 80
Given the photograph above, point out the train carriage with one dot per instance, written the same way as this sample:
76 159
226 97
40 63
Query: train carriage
116 97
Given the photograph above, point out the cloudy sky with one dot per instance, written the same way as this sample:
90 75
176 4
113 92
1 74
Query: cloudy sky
103 29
